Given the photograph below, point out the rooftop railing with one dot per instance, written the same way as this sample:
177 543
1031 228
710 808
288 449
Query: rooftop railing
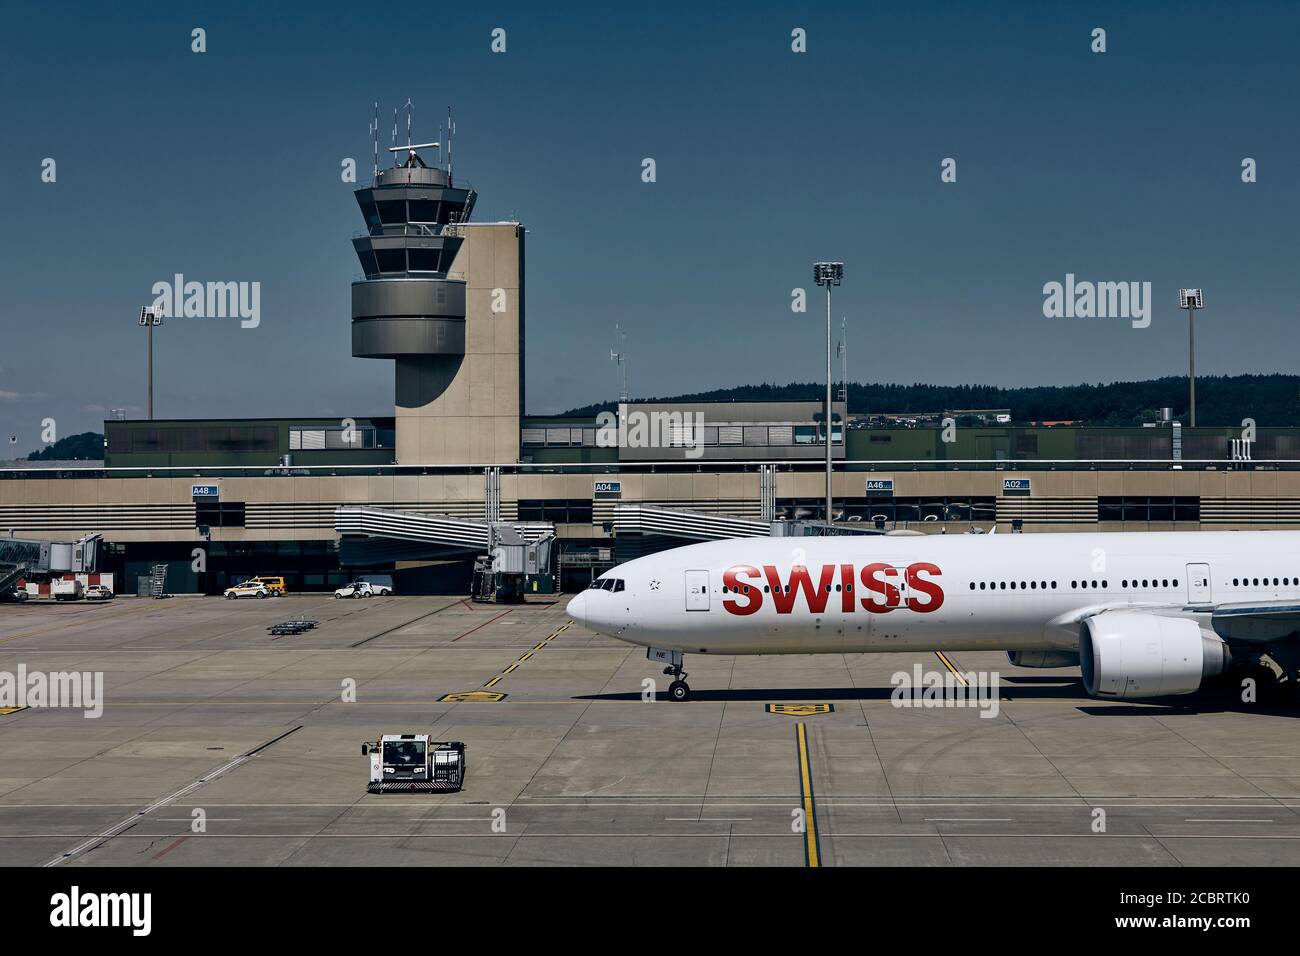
691 466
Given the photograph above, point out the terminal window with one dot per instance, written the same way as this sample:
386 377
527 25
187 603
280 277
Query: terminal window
1148 508
219 514
556 510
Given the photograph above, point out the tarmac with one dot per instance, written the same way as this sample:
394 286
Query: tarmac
220 744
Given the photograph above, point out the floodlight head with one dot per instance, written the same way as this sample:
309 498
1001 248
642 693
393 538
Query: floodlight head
828 273
1191 299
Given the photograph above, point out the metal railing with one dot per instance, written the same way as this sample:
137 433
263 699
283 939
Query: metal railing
663 467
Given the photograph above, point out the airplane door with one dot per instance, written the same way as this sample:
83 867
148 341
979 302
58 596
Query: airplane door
697 590
1198 584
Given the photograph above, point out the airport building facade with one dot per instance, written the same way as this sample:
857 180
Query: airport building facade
443 298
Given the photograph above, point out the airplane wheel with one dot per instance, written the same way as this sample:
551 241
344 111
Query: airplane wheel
679 691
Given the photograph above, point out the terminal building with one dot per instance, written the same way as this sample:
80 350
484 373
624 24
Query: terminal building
423 491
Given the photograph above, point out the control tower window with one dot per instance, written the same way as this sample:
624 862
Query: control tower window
391 260
423 260
392 212
424 210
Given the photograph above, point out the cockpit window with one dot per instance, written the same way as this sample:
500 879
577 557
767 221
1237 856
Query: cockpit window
618 584
606 584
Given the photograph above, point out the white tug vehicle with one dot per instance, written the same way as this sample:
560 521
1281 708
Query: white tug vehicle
414 762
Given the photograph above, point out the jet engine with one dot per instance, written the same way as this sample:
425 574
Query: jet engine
1044 658
1129 656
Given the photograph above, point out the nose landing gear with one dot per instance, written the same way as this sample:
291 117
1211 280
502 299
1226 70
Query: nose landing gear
678 690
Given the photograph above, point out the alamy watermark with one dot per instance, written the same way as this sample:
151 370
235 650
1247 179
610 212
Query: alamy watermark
919 688
1098 300
639 429
72 689
208 300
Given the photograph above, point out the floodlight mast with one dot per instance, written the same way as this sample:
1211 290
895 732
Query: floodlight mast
828 274
1191 300
149 318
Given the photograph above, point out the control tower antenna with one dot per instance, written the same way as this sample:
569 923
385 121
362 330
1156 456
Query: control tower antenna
410 108
374 134
451 130
393 149
620 359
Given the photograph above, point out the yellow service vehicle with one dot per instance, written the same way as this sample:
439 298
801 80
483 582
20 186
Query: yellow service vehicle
274 584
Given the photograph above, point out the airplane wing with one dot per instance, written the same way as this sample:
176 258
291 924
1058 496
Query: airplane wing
1253 622
1256 622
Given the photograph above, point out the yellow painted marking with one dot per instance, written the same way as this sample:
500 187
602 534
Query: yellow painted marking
525 657
810 849
800 710
509 669
471 697
6 711
538 647
492 681
551 638
948 664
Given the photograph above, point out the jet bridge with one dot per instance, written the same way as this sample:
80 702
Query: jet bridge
509 553
20 558
708 526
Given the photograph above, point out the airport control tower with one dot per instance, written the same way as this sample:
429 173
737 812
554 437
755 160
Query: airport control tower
443 298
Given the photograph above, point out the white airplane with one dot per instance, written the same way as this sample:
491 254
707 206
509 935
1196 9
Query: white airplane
1144 614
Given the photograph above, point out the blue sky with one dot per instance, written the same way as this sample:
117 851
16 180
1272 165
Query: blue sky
1122 166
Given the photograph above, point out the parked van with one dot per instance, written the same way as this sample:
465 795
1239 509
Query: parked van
273 584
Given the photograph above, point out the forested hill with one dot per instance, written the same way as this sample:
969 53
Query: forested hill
1220 400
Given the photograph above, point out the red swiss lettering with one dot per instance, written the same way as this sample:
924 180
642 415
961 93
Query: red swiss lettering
751 597
930 588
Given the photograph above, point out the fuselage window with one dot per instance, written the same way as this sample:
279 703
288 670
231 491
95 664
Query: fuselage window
1104 584
1053 585
1003 585
1074 584
1034 585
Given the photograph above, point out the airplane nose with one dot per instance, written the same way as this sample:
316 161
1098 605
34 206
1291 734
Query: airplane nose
577 608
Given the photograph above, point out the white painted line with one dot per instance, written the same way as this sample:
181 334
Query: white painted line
967 819
708 819
1222 820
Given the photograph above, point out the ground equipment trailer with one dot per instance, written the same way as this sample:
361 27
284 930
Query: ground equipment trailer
414 762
